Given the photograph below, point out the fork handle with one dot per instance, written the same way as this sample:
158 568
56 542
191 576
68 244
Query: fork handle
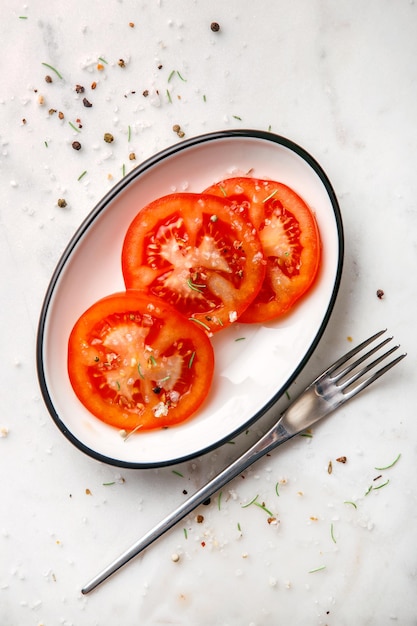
275 436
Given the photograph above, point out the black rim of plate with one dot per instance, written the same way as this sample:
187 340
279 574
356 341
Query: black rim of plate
140 169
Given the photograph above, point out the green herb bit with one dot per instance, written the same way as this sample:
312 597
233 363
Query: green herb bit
46 144
82 175
351 503
219 500
169 97
223 190
123 170
317 569
129 133
237 118
73 126
240 338
152 360
369 490
191 361
53 69
263 507
177 473
245 506
306 434
391 464
109 484
185 533
277 489
287 395
132 432
195 286
271 195
23 17
239 528
118 385
140 371
171 76
269 128
332 533
193 319
204 98
181 77
382 485
102 60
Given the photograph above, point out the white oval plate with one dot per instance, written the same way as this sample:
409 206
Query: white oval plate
251 374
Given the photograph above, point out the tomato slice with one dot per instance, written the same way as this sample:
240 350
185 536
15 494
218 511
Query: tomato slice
138 364
198 255
290 239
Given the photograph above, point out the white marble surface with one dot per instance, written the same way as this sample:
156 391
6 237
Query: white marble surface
339 78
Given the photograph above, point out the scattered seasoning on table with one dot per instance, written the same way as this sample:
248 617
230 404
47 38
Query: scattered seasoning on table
145 93
93 84
88 492
121 63
108 137
132 156
48 79
79 89
177 129
330 468
87 103
215 27
341 459
61 115
76 145
132 24
380 294
62 203
175 557
199 519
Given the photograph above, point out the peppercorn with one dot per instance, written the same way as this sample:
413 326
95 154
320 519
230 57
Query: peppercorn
380 293
76 145
48 79
87 103
215 27
108 137
62 203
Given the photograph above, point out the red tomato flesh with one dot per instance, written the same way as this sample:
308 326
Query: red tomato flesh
198 255
290 240
137 364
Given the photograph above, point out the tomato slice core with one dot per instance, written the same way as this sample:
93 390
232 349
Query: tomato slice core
137 364
197 254
290 240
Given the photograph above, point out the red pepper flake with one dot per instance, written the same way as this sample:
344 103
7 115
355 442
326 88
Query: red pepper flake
79 122
203 544
93 85
60 115
100 67
132 24
380 294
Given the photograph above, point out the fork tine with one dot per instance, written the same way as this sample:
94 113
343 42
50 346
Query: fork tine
348 394
361 359
346 357
347 383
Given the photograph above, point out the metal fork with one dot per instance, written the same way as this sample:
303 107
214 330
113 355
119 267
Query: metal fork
335 386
